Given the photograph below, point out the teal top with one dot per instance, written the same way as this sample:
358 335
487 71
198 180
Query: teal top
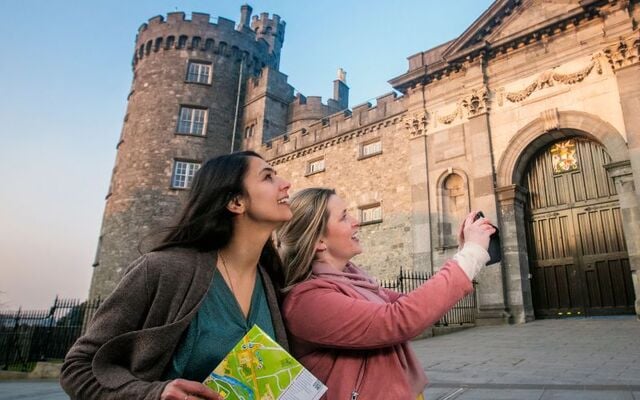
218 325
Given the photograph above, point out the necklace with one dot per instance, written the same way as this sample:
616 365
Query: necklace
224 265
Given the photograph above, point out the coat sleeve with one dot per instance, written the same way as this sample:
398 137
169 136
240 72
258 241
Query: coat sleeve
123 311
322 312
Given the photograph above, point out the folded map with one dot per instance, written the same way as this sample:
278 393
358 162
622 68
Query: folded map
258 368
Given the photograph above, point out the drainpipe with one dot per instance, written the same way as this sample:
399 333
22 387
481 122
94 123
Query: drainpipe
235 119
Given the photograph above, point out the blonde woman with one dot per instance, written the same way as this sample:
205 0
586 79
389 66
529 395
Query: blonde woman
347 330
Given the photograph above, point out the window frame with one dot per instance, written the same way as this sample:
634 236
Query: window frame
362 156
363 209
308 170
201 63
191 124
188 177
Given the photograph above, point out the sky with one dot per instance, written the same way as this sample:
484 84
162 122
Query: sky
65 71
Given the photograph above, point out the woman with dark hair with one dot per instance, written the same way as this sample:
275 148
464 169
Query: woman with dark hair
347 330
180 308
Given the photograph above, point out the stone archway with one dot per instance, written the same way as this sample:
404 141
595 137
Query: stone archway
551 126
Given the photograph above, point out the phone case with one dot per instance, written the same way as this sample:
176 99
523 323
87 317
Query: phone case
495 253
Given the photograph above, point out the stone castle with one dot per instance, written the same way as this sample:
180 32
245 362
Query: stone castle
531 115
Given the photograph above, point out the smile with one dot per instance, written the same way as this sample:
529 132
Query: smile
284 201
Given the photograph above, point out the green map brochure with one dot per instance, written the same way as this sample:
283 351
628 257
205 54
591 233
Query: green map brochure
258 368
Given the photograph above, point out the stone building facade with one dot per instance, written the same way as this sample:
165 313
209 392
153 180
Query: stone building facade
532 115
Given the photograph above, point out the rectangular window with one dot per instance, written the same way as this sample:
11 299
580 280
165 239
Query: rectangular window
370 214
183 173
371 149
192 121
199 72
315 166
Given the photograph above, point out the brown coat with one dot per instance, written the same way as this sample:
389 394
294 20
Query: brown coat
132 338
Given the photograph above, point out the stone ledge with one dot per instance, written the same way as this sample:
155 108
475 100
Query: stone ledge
42 370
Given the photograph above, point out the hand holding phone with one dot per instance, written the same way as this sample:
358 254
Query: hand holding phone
495 253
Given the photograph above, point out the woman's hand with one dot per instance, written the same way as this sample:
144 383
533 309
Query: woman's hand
478 231
182 389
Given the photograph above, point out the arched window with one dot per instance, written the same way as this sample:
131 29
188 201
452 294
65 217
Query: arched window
208 44
455 206
222 48
170 41
182 41
195 42
147 48
158 44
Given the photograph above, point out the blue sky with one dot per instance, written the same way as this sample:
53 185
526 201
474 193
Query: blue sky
65 73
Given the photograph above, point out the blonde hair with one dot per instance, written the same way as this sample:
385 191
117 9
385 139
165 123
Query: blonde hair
297 238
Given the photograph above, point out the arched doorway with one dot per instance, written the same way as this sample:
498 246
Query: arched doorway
577 253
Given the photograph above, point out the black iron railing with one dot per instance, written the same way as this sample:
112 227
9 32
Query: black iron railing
38 335
464 312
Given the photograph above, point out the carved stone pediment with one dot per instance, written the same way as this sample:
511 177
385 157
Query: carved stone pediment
532 13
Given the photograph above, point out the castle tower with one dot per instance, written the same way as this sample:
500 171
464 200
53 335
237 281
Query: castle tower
183 106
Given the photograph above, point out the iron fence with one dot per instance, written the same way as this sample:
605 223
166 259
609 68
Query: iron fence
464 312
38 335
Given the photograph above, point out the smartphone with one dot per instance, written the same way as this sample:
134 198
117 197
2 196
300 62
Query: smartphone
495 253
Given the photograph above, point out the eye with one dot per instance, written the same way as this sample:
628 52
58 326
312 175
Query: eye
268 177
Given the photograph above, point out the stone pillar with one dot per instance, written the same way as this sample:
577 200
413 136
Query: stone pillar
490 289
622 174
624 58
416 126
515 261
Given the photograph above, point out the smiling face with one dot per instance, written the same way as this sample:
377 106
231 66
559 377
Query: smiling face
339 243
267 194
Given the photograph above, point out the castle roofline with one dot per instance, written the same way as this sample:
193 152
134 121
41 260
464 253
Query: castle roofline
489 35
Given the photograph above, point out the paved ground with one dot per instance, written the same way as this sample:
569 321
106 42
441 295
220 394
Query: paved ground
31 390
588 358
592 358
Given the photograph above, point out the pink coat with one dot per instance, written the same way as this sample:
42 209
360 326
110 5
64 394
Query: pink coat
332 327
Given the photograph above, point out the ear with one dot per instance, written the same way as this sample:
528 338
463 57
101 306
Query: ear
321 245
236 205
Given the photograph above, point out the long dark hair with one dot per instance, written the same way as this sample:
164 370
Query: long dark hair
205 223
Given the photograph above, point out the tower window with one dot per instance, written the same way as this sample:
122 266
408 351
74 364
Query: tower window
192 121
183 172
370 214
199 72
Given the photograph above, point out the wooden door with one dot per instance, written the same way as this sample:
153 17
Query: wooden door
578 258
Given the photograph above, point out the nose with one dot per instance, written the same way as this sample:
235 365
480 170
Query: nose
285 184
354 222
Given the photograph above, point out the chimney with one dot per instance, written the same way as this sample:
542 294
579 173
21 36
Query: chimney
245 17
341 90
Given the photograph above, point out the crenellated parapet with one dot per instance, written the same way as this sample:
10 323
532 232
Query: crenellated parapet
220 38
270 82
271 30
336 128
308 108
